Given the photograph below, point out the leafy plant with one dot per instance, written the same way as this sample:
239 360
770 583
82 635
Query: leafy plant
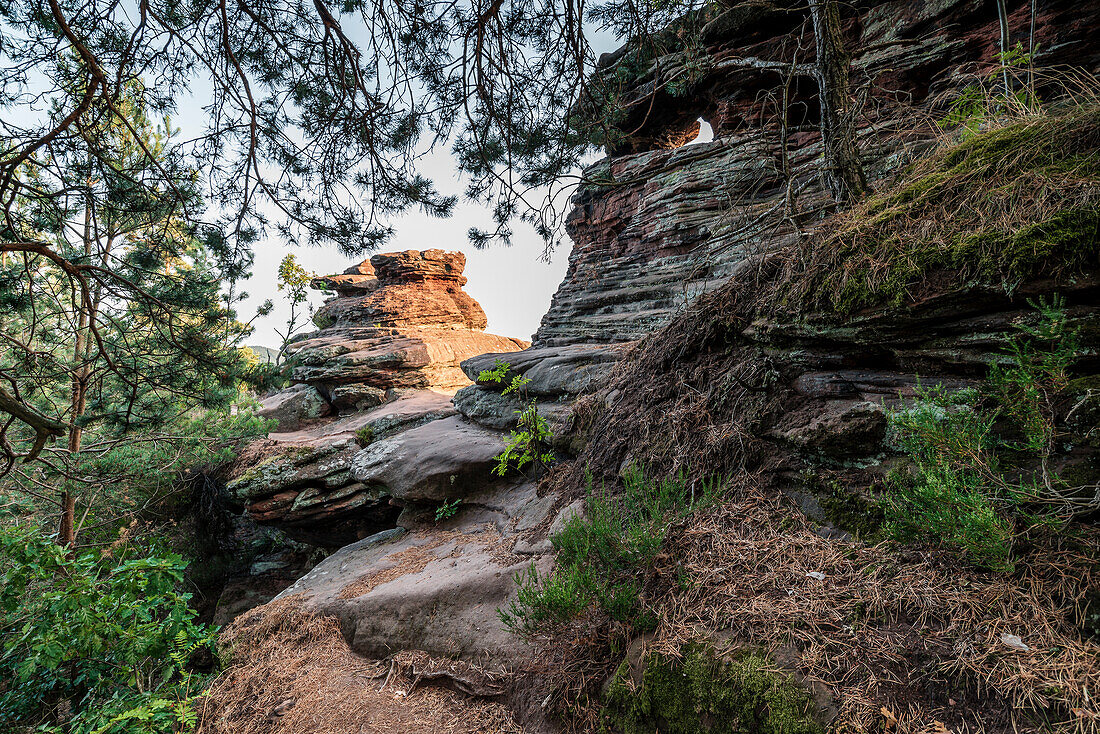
981 463
93 644
529 444
602 551
447 509
364 436
295 280
992 95
133 473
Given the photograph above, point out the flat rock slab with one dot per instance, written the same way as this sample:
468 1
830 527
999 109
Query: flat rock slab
436 590
414 407
493 410
438 461
386 357
553 371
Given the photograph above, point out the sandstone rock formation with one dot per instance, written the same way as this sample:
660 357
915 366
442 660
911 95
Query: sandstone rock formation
398 322
385 361
653 227
676 226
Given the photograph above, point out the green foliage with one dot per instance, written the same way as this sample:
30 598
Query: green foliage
1037 372
295 280
705 692
601 552
91 644
981 466
134 473
446 510
364 436
529 445
987 99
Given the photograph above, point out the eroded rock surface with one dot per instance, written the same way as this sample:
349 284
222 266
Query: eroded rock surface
383 366
657 225
438 586
403 322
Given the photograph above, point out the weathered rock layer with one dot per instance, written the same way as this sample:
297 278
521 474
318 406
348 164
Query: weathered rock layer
384 362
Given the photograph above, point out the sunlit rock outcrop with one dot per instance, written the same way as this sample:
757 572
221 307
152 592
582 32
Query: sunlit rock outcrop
385 360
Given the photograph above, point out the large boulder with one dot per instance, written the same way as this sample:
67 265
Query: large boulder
413 289
399 321
348 358
294 406
441 460
301 481
438 587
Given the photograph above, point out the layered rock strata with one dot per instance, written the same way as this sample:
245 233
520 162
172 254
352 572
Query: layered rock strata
654 226
398 322
385 360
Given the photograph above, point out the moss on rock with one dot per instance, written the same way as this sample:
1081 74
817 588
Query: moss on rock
706 692
852 511
1015 202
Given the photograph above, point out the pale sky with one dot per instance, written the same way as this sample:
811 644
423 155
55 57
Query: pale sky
511 283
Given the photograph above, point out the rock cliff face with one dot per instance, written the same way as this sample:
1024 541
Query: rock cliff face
399 471
654 227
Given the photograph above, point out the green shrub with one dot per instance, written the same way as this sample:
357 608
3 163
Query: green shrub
92 643
118 477
364 436
601 551
530 444
981 463
446 510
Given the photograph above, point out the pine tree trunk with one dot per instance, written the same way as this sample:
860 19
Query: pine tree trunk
79 397
66 532
843 170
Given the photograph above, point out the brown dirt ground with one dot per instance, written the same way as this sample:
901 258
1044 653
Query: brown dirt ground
292 672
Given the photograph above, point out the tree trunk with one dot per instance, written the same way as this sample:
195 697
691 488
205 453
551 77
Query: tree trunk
1002 21
843 170
79 398
66 531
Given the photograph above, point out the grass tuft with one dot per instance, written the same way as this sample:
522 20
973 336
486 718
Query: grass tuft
1019 201
601 553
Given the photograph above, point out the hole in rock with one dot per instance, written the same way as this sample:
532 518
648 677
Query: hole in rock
705 134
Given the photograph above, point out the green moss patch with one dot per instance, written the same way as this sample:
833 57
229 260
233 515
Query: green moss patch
705 692
852 511
1016 202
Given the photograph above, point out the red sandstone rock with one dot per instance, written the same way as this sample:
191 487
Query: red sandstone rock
391 342
420 265
410 328
410 288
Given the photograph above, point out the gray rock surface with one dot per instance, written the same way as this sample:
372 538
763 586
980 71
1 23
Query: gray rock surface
294 406
438 461
553 371
301 480
501 412
438 587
